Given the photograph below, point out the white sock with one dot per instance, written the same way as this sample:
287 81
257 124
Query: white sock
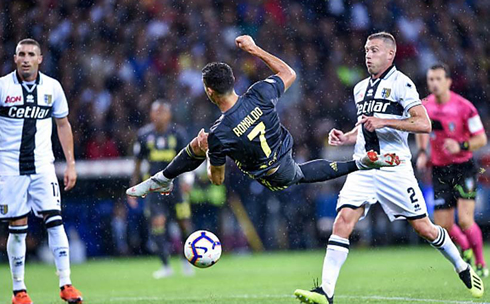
16 250
445 246
58 243
337 251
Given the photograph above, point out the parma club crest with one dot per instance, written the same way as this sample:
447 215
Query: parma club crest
4 209
386 93
48 99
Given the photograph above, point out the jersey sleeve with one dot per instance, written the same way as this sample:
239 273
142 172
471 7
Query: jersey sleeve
268 90
407 94
473 122
216 153
60 105
140 150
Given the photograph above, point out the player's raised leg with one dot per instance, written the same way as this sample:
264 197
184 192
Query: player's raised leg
337 251
320 170
188 159
439 239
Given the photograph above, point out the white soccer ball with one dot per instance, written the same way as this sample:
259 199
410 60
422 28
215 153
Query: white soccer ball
202 249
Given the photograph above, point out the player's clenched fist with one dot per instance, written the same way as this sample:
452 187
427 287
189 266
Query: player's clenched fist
246 43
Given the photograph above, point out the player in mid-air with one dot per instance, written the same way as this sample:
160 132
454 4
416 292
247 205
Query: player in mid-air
388 108
29 100
250 133
158 143
457 131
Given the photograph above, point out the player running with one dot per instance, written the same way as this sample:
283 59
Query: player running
457 130
158 143
249 132
388 108
28 101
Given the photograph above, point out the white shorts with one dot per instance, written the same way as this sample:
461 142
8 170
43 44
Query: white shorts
19 194
396 189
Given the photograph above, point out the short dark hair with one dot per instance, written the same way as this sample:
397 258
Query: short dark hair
442 66
385 36
219 77
31 42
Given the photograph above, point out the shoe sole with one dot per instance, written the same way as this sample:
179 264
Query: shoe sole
74 301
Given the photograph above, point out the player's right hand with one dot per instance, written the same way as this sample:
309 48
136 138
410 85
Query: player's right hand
336 138
246 43
422 161
132 202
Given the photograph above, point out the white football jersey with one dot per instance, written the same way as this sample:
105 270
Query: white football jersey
390 96
26 112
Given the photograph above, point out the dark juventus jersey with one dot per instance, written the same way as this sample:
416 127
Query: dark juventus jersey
159 149
26 110
250 132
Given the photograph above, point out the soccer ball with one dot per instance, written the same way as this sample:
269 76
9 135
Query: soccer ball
202 249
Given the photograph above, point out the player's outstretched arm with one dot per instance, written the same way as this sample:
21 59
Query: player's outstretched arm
65 136
279 67
418 122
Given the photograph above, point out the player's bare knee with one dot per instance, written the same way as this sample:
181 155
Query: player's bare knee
344 223
52 219
425 229
465 222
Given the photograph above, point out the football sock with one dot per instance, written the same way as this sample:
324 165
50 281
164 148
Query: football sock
185 161
16 250
160 239
445 246
459 237
475 239
320 170
337 251
58 243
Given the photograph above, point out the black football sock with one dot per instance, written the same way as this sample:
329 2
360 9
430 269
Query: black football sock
320 170
185 161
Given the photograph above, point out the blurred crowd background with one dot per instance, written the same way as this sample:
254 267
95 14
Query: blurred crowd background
114 57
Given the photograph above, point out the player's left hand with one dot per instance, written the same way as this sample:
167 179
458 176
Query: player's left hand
246 43
451 146
371 123
202 140
70 178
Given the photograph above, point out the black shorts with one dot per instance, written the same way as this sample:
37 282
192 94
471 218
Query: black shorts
453 182
171 206
287 172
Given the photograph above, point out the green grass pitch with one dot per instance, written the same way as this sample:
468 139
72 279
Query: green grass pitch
388 275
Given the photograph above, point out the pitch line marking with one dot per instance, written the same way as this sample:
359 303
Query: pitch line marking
384 298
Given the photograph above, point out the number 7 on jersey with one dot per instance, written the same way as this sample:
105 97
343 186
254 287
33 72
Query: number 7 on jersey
260 129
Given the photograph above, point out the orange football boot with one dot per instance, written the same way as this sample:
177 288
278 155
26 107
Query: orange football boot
21 297
71 295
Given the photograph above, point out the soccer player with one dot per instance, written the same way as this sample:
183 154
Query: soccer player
388 109
28 101
158 143
457 130
249 132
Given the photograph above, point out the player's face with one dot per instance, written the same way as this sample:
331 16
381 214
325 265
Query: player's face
379 56
437 82
28 58
160 116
